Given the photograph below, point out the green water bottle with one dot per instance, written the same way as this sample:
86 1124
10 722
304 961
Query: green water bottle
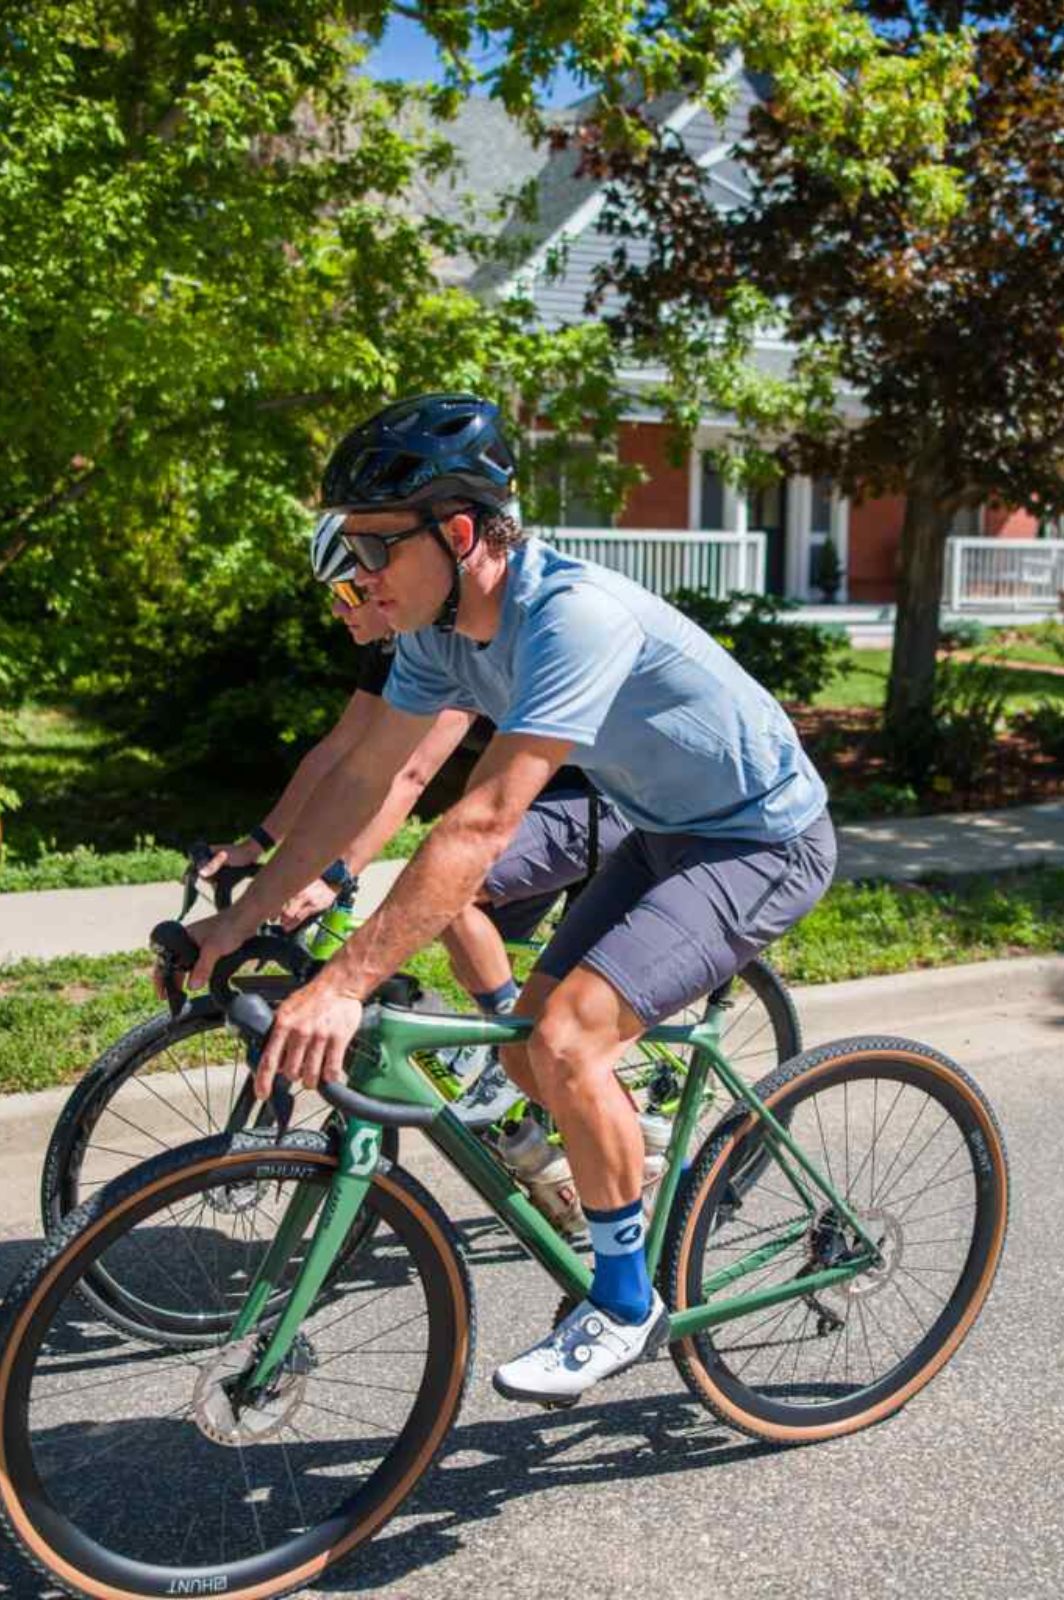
334 926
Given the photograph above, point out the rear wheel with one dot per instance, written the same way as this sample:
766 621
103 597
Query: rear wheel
163 1084
912 1145
116 1474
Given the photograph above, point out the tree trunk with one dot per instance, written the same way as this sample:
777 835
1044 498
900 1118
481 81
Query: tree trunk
910 695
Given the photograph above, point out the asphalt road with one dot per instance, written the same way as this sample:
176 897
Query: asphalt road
641 1494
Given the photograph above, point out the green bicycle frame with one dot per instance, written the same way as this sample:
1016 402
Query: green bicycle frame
380 1064
338 922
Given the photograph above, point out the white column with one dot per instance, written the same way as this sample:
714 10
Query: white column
840 533
796 553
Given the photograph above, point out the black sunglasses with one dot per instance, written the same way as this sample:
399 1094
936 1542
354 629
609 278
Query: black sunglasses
372 551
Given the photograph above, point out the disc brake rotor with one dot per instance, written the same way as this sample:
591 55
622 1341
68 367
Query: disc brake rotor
231 1199
884 1228
226 1422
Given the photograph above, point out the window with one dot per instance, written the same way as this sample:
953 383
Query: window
563 494
768 507
820 519
819 527
711 505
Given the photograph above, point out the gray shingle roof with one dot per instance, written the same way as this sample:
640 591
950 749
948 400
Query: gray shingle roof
496 157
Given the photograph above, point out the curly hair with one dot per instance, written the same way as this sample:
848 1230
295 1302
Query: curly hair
498 531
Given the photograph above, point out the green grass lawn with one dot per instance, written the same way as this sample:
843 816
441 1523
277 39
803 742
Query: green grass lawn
862 681
57 1016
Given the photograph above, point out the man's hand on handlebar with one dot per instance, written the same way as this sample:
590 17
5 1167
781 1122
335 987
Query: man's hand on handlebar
240 853
216 937
309 902
310 1035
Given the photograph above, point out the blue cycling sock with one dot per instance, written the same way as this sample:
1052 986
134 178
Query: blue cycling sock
500 1000
621 1285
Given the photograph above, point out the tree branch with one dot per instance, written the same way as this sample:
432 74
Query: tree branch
18 528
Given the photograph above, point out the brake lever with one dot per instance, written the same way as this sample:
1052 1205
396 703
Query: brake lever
175 952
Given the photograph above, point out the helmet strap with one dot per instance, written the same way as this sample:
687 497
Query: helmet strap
447 616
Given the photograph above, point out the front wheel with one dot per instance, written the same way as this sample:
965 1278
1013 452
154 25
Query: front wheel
114 1478
166 1082
908 1140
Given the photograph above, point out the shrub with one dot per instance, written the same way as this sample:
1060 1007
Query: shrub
1045 725
964 635
878 799
829 573
967 715
1049 633
793 660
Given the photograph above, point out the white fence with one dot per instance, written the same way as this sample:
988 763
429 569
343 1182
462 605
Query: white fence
1003 574
663 562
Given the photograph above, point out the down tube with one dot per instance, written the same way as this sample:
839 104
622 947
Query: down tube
495 1185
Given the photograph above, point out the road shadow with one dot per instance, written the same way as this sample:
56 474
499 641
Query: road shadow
629 1441
487 1466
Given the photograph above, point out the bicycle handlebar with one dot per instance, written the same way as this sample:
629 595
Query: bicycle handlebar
251 1014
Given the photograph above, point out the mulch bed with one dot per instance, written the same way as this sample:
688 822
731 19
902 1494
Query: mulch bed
843 745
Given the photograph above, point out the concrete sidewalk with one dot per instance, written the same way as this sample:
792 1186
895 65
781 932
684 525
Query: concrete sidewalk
58 922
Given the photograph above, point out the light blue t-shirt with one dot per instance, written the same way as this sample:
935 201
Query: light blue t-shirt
667 724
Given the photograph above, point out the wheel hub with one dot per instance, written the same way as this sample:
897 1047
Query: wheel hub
227 1420
830 1244
232 1199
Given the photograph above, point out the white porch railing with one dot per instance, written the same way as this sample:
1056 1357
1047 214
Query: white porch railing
662 562
1006 574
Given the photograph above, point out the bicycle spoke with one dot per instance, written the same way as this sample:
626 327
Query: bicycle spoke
343 1421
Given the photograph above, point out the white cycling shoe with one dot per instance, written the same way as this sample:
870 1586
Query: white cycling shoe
489 1098
587 1347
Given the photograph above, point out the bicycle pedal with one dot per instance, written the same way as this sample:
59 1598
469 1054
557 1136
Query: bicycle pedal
558 1405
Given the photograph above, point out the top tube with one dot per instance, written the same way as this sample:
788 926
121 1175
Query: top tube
406 1031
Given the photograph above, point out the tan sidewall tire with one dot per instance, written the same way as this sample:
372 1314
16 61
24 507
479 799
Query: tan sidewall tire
686 1352
52 1564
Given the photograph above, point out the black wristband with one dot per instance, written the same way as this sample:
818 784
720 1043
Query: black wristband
337 877
261 836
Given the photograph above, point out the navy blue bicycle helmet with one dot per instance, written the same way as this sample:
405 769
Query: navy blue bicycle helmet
435 447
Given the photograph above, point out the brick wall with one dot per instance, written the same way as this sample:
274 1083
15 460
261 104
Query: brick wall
661 502
875 532
1003 523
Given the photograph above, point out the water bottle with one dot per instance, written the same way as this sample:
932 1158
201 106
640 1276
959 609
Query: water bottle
544 1170
332 930
657 1131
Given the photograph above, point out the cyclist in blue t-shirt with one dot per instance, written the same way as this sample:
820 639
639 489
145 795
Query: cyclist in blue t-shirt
559 844
730 843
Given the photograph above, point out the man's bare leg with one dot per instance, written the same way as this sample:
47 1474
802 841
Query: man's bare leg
584 1027
568 1065
476 950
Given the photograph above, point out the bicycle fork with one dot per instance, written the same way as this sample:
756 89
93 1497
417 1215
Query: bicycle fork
340 1204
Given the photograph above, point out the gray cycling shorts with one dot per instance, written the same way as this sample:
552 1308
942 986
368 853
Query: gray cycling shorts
548 853
672 916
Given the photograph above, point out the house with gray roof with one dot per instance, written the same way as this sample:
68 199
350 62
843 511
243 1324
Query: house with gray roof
769 539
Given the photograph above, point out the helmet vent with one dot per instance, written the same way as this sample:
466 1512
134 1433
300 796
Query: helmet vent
452 425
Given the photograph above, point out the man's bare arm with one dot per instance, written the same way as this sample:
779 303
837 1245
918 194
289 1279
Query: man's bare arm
451 864
407 788
442 740
343 805
343 739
